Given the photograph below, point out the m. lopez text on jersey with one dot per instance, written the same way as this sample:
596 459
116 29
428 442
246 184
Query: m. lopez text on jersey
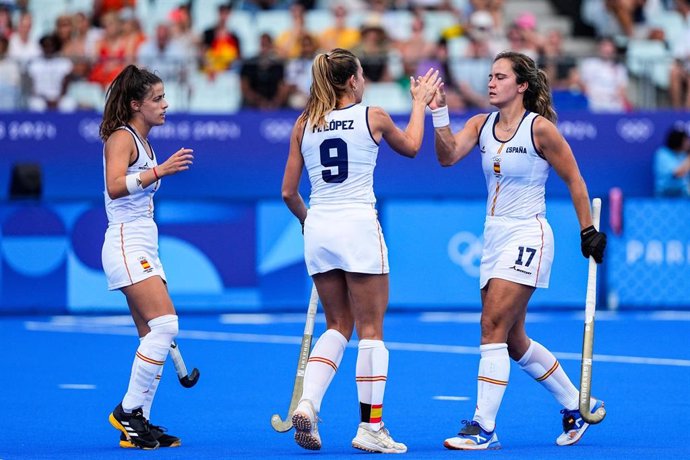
335 125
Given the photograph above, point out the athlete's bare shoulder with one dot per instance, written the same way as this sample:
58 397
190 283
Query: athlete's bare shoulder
120 142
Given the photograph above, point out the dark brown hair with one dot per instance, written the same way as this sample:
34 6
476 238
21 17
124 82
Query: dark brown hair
537 97
132 84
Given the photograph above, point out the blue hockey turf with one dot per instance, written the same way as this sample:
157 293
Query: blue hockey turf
63 375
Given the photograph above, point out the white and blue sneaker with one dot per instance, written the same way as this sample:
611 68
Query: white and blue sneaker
574 426
473 437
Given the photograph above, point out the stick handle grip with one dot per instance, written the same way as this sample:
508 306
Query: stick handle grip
180 367
591 300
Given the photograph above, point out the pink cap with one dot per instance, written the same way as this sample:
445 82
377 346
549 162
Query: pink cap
526 21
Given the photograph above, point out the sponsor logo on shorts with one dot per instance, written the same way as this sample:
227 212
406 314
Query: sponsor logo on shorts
145 265
514 267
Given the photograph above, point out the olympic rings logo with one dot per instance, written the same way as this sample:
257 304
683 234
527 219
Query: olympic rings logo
276 130
635 130
89 129
465 250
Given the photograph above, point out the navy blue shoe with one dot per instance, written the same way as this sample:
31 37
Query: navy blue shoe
473 437
574 426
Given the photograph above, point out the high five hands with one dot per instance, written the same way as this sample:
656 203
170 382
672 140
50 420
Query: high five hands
426 87
438 98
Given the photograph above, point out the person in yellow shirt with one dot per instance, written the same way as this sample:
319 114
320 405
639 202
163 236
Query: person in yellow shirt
289 42
340 35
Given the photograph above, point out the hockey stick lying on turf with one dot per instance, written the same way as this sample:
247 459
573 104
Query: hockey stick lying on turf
186 380
277 423
588 339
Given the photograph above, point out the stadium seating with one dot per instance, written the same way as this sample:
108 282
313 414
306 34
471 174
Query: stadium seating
87 95
648 63
177 95
672 23
221 94
649 59
389 96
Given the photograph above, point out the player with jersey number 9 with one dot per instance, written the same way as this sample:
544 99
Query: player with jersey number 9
519 143
336 139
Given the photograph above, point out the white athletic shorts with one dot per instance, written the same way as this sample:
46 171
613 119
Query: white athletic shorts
346 237
130 253
518 250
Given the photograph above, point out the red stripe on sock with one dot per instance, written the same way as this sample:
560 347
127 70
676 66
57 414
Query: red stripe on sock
373 378
326 361
549 372
492 381
149 360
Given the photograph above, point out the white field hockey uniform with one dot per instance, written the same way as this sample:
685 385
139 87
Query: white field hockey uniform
130 248
342 230
518 241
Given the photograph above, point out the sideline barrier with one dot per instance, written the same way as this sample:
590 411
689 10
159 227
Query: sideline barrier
228 256
649 263
242 156
228 242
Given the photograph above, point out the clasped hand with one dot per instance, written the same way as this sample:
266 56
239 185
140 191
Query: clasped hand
593 243
425 88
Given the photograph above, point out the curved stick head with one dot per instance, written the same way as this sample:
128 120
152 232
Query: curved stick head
188 381
593 418
279 425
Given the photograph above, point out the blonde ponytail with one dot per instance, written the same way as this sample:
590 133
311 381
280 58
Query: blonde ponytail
330 73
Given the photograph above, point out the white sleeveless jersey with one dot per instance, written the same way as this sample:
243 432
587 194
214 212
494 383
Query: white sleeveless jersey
340 158
515 173
137 205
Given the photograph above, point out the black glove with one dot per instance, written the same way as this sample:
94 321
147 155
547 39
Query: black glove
593 243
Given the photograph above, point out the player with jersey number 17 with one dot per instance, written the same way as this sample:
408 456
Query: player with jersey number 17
518 143
336 139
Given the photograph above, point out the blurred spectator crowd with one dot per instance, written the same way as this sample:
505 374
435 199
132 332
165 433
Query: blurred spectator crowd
221 56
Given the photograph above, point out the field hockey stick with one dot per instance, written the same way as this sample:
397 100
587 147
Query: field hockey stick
588 339
186 380
277 423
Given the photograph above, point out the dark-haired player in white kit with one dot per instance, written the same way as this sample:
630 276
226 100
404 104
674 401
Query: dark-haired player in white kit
336 139
518 144
135 103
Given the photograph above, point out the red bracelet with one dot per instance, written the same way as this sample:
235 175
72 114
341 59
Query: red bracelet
155 174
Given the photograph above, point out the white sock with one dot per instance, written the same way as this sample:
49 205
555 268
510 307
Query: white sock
323 362
150 357
152 392
494 370
148 402
543 366
372 373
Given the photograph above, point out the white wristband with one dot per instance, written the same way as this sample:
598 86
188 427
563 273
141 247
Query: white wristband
440 117
134 184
